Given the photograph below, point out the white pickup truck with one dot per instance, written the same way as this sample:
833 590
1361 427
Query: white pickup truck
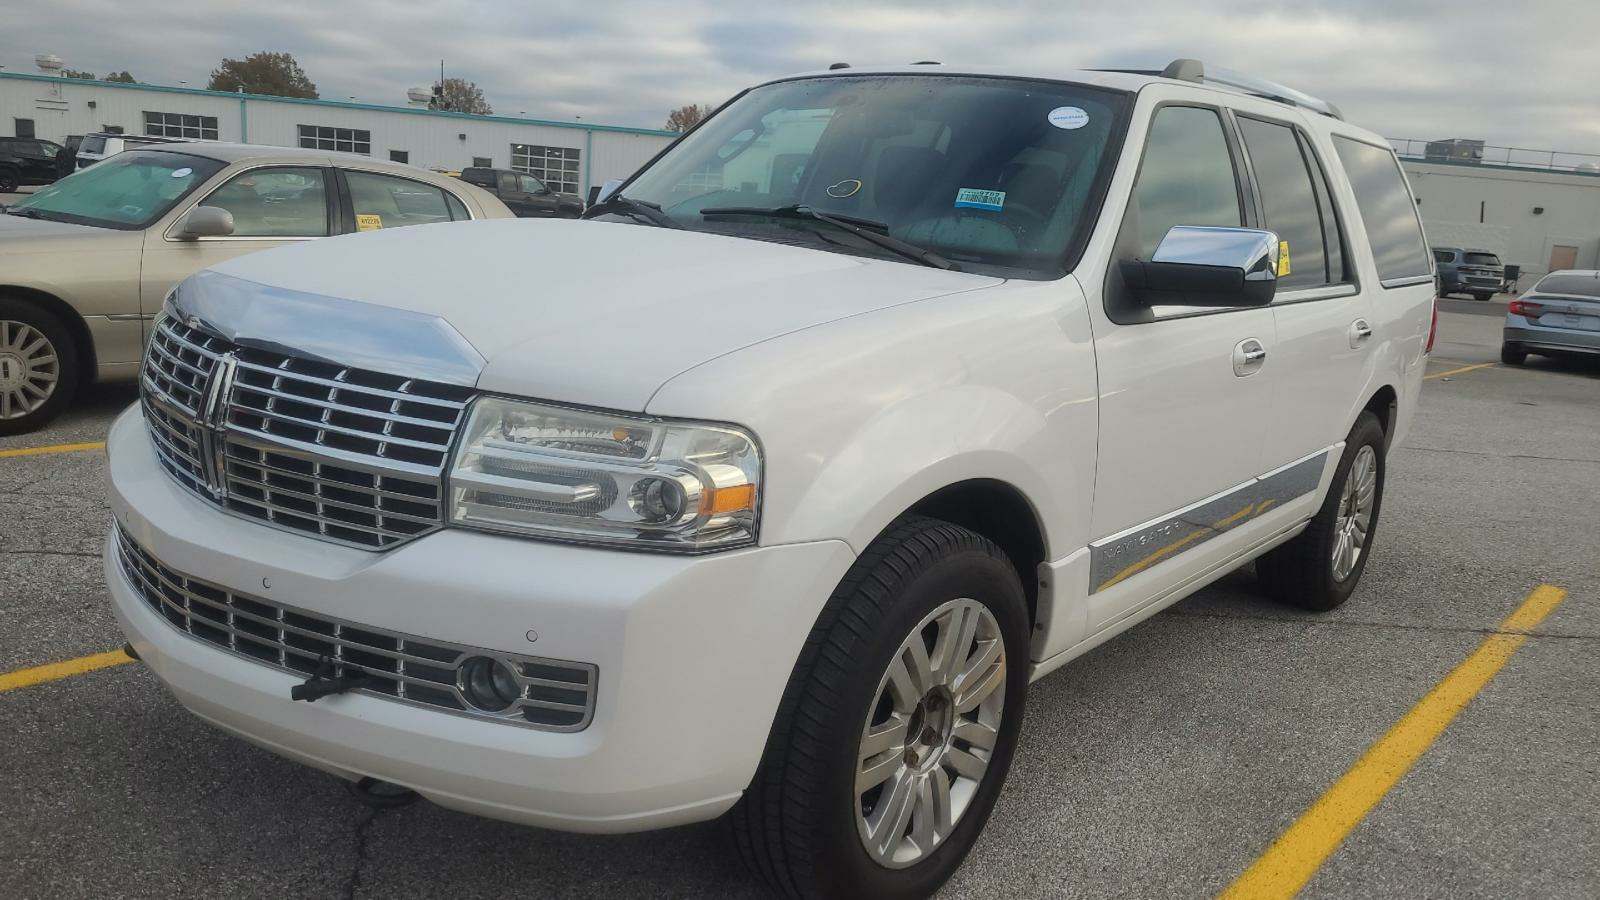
877 396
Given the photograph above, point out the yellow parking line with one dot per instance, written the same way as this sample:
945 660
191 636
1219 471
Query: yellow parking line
1457 371
1300 851
22 678
53 448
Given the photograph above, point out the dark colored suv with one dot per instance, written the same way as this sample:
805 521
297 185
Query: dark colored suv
1475 272
26 160
525 195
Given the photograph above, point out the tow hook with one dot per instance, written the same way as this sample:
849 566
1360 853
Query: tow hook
382 794
322 682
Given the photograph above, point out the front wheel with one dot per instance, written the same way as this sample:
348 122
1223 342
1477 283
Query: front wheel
38 367
898 725
1319 568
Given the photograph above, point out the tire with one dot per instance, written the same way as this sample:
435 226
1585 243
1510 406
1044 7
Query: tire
9 181
1513 354
1480 296
1305 572
26 369
802 826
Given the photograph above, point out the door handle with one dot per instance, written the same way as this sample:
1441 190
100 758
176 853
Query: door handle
1248 357
1360 331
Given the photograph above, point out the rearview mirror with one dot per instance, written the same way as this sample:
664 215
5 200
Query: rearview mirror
204 221
1207 266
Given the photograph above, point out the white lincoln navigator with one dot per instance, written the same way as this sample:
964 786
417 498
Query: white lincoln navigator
767 491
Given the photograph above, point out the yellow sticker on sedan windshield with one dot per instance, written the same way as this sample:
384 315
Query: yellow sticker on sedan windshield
368 222
1283 258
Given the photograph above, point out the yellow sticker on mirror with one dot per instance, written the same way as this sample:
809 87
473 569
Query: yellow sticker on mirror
374 222
1283 258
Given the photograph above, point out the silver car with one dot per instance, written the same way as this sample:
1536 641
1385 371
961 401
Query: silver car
1561 314
86 262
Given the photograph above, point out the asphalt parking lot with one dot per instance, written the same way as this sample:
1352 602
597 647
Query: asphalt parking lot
1162 764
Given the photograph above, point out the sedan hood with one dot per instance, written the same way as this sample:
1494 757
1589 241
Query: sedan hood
19 234
593 313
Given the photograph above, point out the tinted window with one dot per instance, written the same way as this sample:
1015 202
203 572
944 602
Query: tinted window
1387 210
286 202
988 172
128 191
1186 178
1578 285
1288 201
1481 259
530 184
508 183
1444 256
383 201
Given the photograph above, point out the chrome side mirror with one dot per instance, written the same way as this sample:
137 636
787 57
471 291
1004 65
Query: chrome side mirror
204 221
1207 266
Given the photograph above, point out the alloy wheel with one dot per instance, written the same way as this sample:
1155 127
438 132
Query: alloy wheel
1354 521
29 369
930 733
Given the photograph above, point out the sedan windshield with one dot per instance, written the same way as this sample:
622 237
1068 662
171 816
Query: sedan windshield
988 173
127 191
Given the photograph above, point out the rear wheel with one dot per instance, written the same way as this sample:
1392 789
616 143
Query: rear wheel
1480 295
898 725
38 367
9 181
1513 354
1319 569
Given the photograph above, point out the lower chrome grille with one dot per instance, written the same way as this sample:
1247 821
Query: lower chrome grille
555 695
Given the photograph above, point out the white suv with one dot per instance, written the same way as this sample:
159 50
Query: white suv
877 396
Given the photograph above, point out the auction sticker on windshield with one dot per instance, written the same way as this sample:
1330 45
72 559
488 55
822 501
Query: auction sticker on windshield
1068 117
973 198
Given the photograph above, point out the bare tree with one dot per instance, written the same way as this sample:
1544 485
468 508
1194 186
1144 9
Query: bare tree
275 74
460 95
686 117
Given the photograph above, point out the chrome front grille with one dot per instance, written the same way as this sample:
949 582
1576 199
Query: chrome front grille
555 695
349 455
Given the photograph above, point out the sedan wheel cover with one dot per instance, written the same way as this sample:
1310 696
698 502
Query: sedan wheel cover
1354 522
930 733
29 369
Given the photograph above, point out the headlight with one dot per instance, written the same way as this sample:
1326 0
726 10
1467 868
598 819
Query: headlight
567 474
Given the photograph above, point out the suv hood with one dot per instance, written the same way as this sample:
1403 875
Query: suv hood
593 313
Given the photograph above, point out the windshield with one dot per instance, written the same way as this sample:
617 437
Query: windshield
1482 259
991 173
126 191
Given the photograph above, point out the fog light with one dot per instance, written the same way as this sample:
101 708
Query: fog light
656 500
488 683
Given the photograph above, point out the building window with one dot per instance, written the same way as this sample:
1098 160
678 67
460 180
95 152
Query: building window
557 167
24 128
343 140
179 125
482 162
400 156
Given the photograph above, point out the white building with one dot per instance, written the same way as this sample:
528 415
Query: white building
1536 210
569 156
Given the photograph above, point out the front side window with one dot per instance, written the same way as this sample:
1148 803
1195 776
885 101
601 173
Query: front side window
1387 210
276 202
530 184
127 191
1187 178
180 125
339 140
1289 202
384 201
995 173
556 166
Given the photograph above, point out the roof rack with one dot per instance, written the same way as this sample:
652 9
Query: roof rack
1193 70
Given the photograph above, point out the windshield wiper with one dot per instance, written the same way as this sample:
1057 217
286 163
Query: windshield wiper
643 210
24 213
868 230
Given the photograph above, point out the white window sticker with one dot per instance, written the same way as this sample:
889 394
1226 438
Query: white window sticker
1068 117
973 198
184 172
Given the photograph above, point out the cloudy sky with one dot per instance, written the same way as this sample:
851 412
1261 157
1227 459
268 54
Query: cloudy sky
1526 74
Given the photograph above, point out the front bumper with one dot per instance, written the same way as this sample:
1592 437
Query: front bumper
692 652
1519 330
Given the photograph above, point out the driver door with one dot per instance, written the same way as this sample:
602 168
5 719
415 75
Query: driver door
271 205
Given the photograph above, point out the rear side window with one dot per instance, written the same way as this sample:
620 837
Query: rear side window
1187 178
1387 210
1289 200
384 201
